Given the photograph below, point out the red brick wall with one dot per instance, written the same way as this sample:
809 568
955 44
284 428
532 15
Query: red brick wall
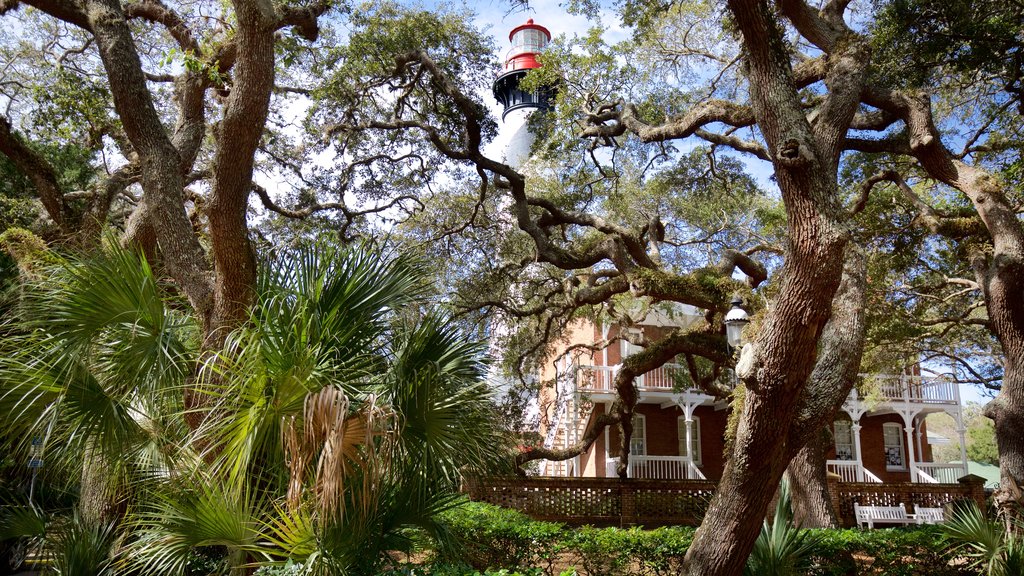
712 440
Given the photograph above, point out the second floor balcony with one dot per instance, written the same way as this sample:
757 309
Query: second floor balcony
874 389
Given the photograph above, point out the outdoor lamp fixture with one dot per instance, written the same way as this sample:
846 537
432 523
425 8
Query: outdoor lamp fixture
735 320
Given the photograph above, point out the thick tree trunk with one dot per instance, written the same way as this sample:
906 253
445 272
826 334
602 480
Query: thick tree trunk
159 161
777 366
1005 302
808 484
238 137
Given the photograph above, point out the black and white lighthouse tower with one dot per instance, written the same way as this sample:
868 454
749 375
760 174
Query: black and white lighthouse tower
528 40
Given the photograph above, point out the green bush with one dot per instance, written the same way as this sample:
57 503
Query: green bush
917 551
492 538
489 536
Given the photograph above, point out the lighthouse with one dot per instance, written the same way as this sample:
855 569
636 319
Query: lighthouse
528 40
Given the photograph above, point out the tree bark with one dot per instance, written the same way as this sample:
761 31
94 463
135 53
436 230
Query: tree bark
777 366
1003 296
238 136
159 161
808 484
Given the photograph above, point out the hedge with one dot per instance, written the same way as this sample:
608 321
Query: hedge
493 538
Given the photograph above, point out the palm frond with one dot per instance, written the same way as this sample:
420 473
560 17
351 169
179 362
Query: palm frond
208 513
782 548
438 390
976 537
320 321
80 547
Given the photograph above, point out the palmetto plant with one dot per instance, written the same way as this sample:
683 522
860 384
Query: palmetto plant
92 365
334 425
782 548
985 541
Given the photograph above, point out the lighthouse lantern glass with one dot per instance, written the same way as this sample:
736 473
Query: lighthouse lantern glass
529 40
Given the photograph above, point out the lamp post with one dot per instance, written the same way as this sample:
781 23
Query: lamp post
735 320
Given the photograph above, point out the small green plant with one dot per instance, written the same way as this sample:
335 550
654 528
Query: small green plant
80 547
782 548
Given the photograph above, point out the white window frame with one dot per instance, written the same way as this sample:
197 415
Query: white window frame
695 438
639 423
628 348
842 433
887 447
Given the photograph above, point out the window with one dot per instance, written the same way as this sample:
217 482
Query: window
694 439
638 442
628 348
844 440
892 434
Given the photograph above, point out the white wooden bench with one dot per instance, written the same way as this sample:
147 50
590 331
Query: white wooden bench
928 515
882 514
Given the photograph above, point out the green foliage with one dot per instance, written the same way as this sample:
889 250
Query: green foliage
782 548
918 551
80 547
914 40
981 441
97 367
494 538
986 542
72 107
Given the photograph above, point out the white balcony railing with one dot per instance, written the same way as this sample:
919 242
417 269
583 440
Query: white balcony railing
657 468
935 473
913 389
918 389
851 471
601 378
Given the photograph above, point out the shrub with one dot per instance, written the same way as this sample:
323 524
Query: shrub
489 536
917 551
493 538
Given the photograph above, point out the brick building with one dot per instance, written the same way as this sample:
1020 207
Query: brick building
679 433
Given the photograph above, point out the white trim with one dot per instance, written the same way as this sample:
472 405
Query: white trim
695 438
639 423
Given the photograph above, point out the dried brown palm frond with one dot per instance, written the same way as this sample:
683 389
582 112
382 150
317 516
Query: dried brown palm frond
341 441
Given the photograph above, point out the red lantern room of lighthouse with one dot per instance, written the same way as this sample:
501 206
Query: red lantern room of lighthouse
527 42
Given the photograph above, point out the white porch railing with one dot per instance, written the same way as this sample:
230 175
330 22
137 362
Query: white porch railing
914 389
935 473
601 378
657 468
847 470
918 389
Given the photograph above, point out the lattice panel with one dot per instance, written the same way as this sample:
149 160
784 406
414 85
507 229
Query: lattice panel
925 495
605 501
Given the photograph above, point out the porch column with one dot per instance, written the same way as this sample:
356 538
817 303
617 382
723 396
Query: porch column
917 434
855 427
688 403
908 428
961 431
